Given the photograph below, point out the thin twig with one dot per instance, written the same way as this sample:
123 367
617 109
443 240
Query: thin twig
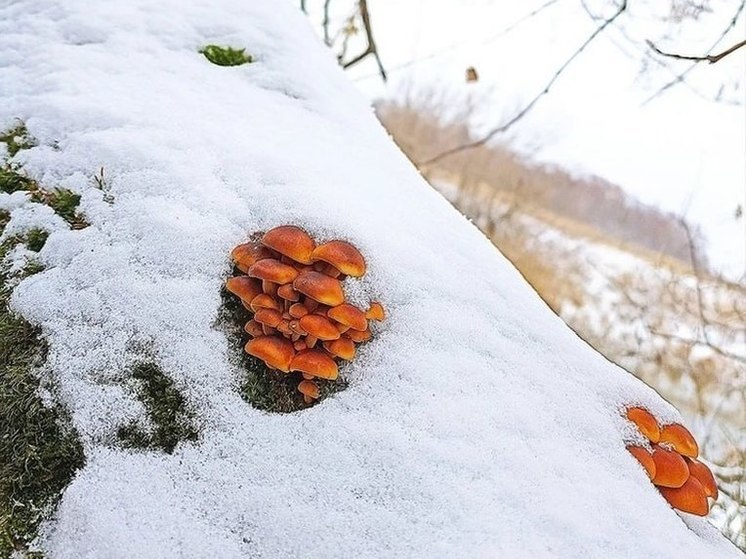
711 58
642 52
698 279
691 342
504 127
325 23
680 77
371 49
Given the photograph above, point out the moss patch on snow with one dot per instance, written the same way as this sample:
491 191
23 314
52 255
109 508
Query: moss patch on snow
39 451
63 201
226 56
36 239
17 138
12 179
172 421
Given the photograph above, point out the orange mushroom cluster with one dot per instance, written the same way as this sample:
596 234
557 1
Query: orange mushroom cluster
301 320
672 465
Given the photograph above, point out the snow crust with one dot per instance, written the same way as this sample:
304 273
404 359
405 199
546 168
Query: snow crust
476 424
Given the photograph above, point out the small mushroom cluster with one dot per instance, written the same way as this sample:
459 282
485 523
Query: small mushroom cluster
301 320
671 462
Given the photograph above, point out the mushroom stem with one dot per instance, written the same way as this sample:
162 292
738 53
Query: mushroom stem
269 288
330 271
310 304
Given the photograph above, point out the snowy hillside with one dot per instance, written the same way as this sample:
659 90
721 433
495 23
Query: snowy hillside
475 423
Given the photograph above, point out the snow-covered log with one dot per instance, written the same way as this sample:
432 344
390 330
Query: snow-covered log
475 424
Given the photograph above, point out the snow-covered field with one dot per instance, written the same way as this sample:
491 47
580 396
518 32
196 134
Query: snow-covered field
475 424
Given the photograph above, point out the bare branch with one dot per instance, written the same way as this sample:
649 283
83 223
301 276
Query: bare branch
711 58
325 23
303 6
504 127
372 49
681 76
692 342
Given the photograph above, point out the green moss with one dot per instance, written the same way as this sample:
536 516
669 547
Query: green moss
226 56
167 410
32 268
267 390
36 238
65 204
39 452
17 138
63 201
12 180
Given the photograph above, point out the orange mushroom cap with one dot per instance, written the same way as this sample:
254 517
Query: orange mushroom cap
704 476
645 422
270 317
680 439
319 326
264 301
344 348
247 254
319 287
244 287
288 293
298 310
358 336
342 255
315 362
375 312
670 468
253 328
349 315
690 497
290 241
644 457
275 352
273 270
309 388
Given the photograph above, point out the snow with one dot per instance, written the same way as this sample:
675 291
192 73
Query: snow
476 423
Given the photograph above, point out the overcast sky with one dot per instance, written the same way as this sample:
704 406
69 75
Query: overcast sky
682 151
